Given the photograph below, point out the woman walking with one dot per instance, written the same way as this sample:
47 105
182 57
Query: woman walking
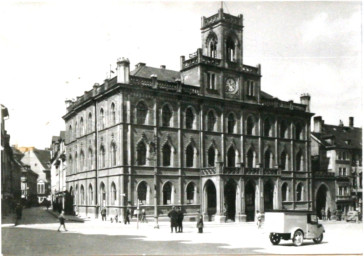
62 220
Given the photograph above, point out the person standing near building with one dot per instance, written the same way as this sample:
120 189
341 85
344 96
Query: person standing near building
18 213
127 216
180 220
173 215
323 214
258 218
62 221
328 214
144 219
103 214
199 224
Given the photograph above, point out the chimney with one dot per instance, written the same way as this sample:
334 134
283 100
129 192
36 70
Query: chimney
182 59
317 124
123 71
163 66
341 124
305 100
140 64
351 122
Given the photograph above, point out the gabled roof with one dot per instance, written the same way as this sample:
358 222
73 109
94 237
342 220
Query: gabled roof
340 137
161 73
44 156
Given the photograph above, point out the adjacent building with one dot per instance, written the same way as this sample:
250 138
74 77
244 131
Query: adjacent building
38 161
205 138
337 166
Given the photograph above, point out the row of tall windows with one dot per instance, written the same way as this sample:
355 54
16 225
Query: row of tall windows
299 192
343 155
344 191
143 194
342 172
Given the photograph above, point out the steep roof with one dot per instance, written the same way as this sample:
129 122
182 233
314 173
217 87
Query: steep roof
340 137
162 74
43 156
18 155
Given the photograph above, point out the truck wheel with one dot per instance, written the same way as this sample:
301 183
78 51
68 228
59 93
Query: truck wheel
274 238
319 239
298 238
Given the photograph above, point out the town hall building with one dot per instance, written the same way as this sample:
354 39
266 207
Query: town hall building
204 138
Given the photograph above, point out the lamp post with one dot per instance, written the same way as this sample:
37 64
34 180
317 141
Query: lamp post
153 158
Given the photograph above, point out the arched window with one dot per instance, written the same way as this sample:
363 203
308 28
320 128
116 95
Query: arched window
284 160
142 192
77 196
250 159
113 154
142 111
190 192
267 128
102 118
298 132
231 123
82 192
189 156
231 157
75 165
299 161
82 160
103 194
250 126
102 156
89 122
69 161
211 120
166 116
82 128
90 195
141 153
268 159
76 131
167 193
230 49
91 158
70 132
284 130
113 194
284 192
189 118
166 155
213 48
113 113
299 192
211 156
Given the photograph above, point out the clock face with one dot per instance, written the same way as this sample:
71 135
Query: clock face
231 86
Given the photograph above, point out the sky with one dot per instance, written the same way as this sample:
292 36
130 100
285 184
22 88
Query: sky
55 50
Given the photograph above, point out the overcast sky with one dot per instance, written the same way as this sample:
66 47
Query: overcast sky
50 51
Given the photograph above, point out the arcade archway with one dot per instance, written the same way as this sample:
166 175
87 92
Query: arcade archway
210 198
250 201
230 199
268 195
322 200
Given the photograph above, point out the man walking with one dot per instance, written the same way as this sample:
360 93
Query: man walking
127 216
180 220
62 221
173 215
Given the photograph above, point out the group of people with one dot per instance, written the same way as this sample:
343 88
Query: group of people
176 217
128 215
325 215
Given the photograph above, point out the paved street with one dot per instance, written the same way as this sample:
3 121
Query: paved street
37 235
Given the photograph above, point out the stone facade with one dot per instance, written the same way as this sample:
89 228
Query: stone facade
337 166
205 138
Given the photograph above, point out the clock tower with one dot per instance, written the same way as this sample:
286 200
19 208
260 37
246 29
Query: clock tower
217 67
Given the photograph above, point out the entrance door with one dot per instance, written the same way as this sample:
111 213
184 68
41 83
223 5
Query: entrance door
230 196
321 200
268 196
250 201
210 193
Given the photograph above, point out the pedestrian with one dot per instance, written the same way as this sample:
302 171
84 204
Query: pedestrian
199 224
173 215
127 216
116 216
62 221
144 219
323 214
258 218
18 213
328 214
180 220
103 213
